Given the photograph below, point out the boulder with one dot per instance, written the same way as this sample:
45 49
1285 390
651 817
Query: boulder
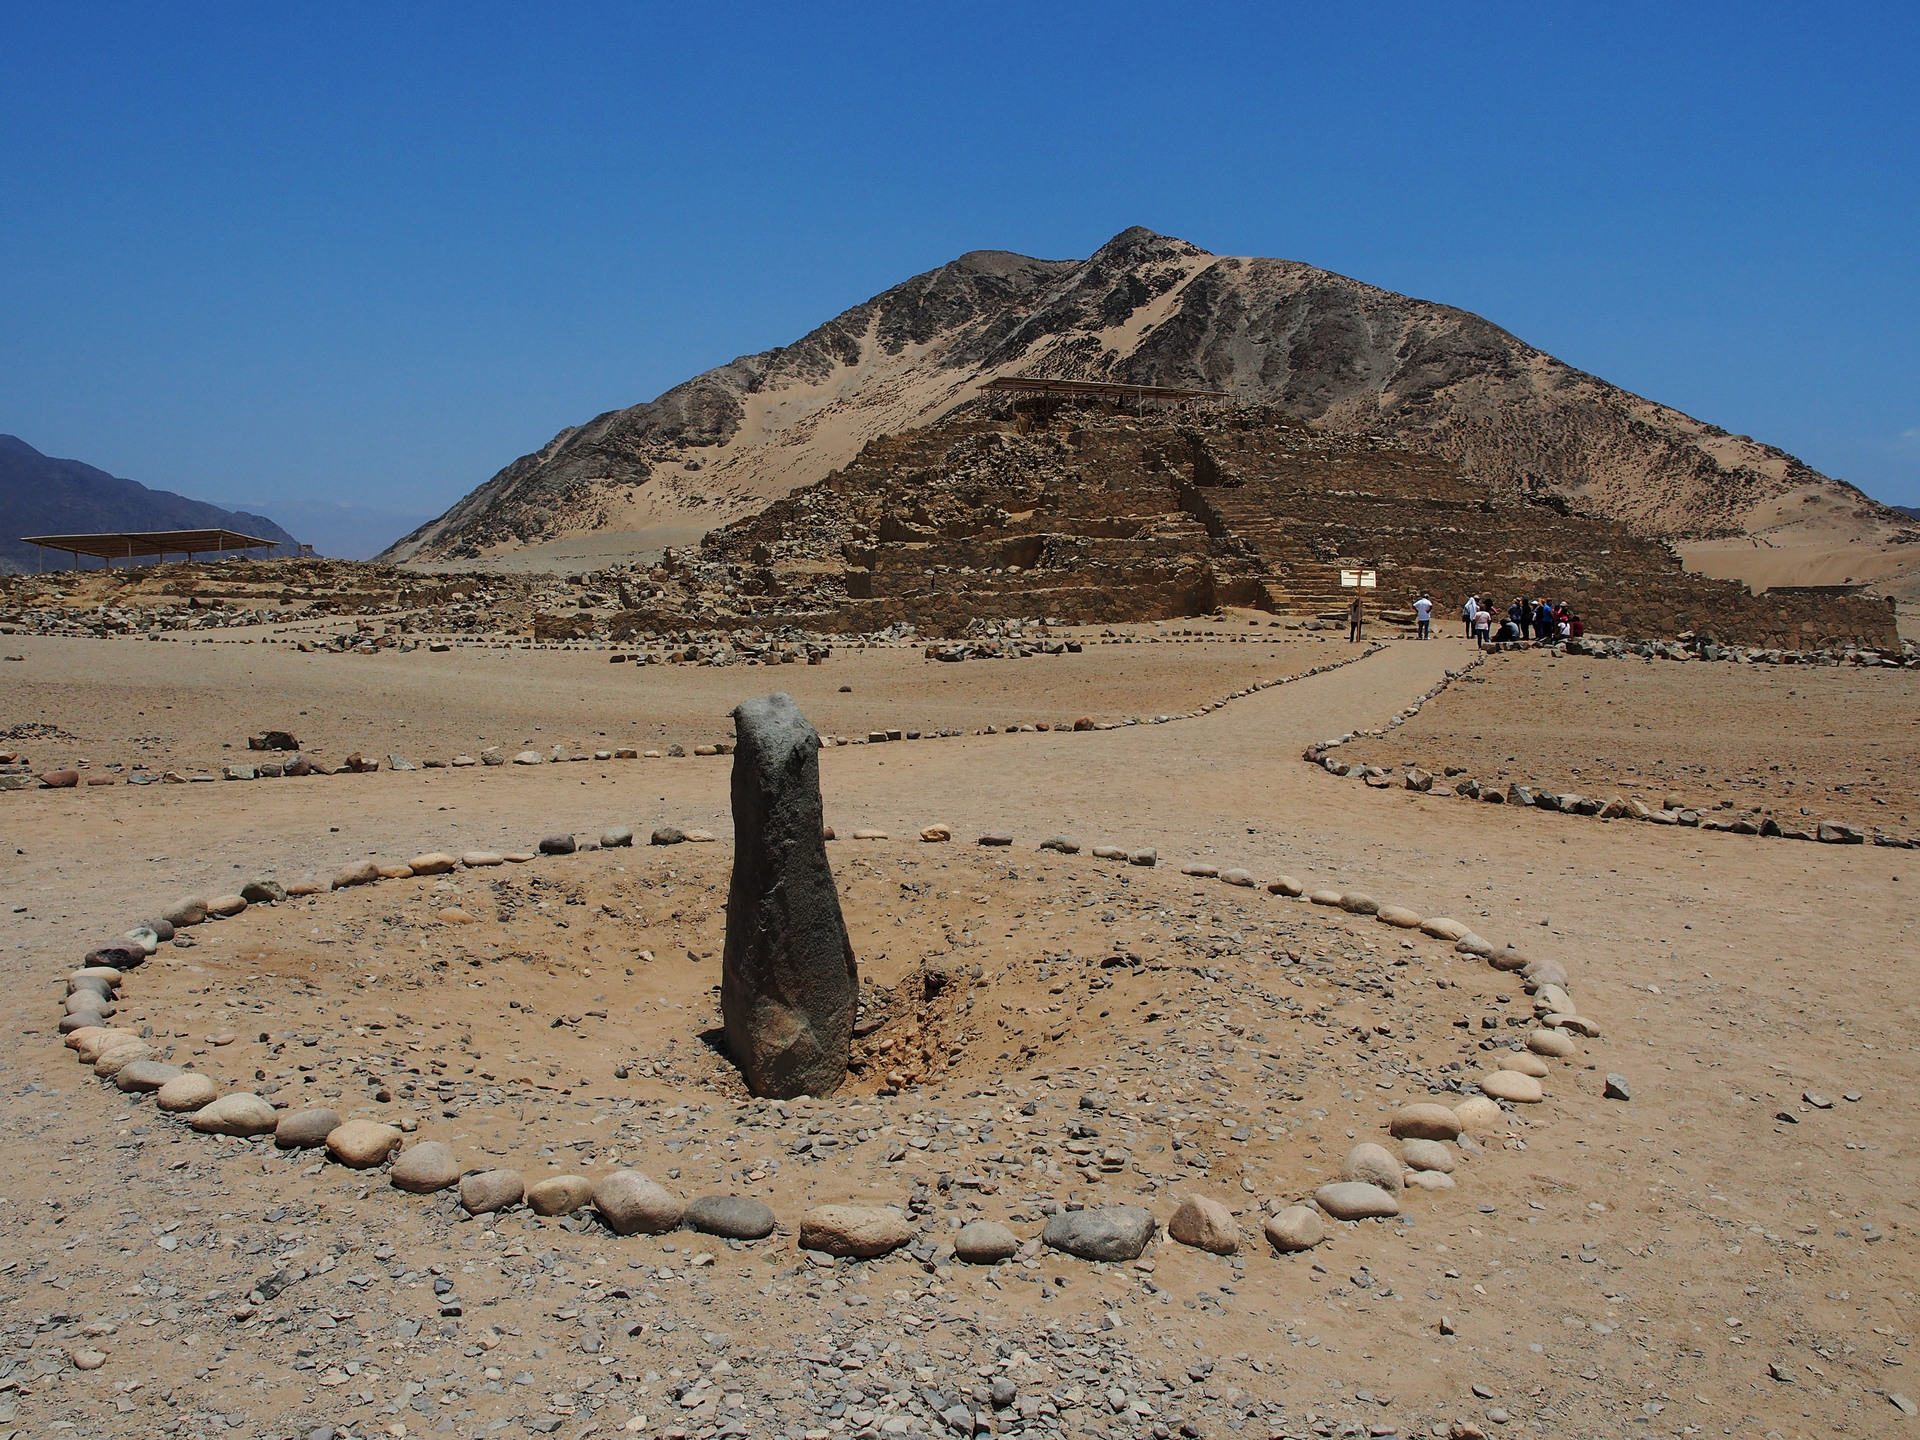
936 834
112 1062
863 1231
1545 972
121 954
1286 885
1358 902
434 862
1513 1087
1205 1225
671 834
361 872
1424 1121
226 906
424 1168
1355 1200
789 985
616 837
1237 876
1398 916
264 891
631 1203
1295 1228
1325 897
186 1093
1372 1164
1061 844
1552 1042
1552 1000
91 1047
732 1217
190 911
1427 1155
1477 1113
482 859
559 1194
1107 1232
240 1113
557 845
1523 1062
1148 857
486 1191
982 1242
1472 944
1441 927
143 1077
360 1144
305 1129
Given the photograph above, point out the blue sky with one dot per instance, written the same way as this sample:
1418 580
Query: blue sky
368 255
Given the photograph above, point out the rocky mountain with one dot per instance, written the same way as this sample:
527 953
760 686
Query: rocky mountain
1326 350
42 495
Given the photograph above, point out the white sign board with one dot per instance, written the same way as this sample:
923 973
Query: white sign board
1363 579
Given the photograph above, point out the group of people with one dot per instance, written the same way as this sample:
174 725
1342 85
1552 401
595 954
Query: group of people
1539 620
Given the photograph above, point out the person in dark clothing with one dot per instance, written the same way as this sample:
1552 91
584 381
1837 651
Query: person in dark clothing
1517 613
1353 620
1543 621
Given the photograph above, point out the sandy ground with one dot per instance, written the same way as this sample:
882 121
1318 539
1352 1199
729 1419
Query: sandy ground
162 703
1731 976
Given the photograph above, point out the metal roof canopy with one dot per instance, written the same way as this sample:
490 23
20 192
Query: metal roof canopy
131 544
1103 388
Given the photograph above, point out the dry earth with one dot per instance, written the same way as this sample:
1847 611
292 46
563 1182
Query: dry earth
1716 1256
1796 742
177 702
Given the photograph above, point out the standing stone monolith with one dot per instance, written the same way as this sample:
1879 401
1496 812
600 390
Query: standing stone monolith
789 984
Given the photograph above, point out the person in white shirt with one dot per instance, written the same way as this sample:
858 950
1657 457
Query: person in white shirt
1468 612
1423 612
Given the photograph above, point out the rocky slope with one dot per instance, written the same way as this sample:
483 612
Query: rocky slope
40 495
1150 309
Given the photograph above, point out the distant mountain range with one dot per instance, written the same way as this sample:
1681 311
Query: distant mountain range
1333 352
42 495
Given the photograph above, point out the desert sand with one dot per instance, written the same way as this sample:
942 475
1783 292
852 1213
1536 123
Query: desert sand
1728 1251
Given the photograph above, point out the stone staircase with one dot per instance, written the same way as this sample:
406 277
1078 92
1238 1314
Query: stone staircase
1110 517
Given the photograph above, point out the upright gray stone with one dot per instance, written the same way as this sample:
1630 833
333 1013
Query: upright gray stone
789 983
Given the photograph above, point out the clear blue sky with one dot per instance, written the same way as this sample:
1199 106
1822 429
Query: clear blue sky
371 254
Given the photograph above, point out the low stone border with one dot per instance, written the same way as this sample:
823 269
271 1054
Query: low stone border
1412 777
629 1202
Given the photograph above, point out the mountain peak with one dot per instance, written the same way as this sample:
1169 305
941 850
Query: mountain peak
1145 308
1138 245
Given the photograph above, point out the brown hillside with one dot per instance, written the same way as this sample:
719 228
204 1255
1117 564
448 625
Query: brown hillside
1090 516
1315 346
